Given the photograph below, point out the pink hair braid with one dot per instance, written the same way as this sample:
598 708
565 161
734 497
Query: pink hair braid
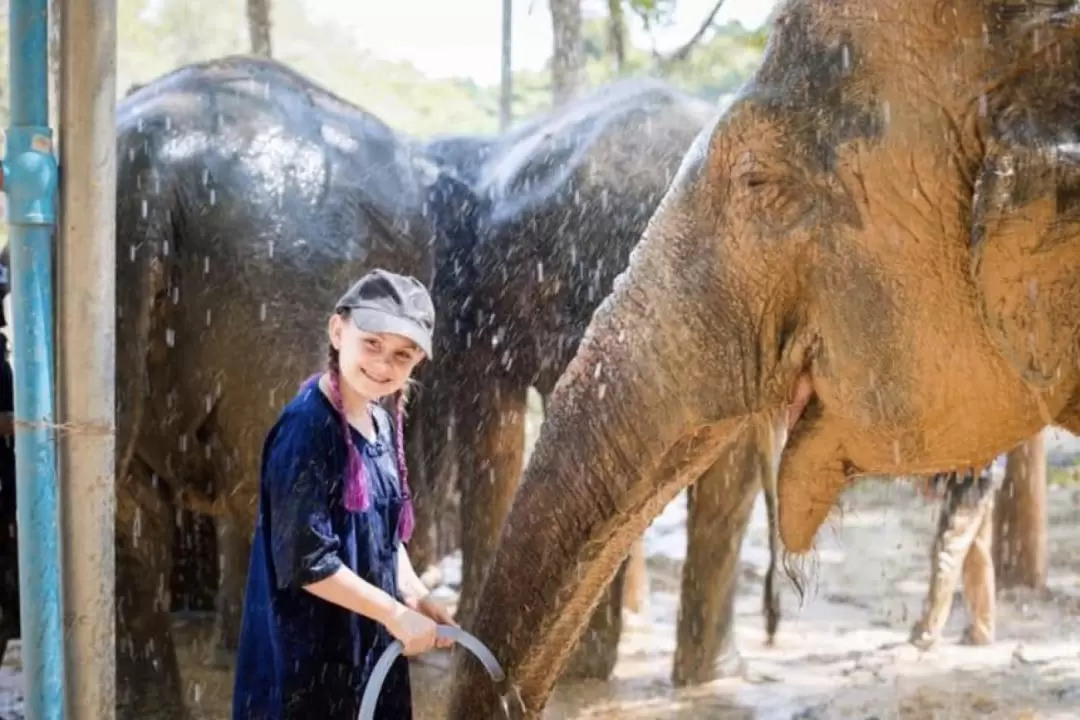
356 494
407 518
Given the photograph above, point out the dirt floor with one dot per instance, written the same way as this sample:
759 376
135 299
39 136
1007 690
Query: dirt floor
842 655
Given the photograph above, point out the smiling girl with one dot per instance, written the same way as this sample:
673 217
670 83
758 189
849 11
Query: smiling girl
330 583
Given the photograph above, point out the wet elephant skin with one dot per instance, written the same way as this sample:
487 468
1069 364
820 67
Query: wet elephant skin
248 198
559 203
863 204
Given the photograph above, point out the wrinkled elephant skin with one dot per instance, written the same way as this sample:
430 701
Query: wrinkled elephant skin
247 200
560 201
865 203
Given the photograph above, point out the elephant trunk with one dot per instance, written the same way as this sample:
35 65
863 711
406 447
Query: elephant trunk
613 451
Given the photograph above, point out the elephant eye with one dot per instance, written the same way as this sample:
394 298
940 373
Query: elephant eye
755 179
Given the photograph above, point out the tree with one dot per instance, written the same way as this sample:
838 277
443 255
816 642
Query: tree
1020 543
567 57
258 17
617 34
506 87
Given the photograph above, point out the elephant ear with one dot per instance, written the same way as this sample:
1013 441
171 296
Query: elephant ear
1025 236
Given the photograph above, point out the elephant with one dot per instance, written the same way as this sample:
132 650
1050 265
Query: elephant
862 204
559 204
247 198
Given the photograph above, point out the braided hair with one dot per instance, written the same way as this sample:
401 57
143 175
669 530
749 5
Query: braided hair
357 497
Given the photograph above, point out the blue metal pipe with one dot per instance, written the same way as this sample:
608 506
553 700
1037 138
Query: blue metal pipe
30 181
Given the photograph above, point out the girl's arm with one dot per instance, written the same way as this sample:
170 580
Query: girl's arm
414 629
417 596
412 587
350 591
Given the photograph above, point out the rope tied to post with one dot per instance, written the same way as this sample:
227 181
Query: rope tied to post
68 428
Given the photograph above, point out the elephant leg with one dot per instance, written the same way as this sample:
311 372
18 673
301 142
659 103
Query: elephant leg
147 670
427 436
957 526
237 478
425 504
597 650
978 576
636 584
488 477
718 511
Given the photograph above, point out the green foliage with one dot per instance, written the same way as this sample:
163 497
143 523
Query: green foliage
157 36
653 13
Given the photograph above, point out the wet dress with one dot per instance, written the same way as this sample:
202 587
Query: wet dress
301 656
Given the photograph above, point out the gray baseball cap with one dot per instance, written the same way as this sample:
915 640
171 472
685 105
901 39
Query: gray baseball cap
384 302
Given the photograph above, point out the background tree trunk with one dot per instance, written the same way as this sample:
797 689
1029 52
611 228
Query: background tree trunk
506 87
617 34
1020 546
258 15
568 56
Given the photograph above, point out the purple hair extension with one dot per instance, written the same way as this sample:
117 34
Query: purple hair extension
407 518
356 494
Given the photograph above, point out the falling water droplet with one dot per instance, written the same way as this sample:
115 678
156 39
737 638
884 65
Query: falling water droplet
262 311
144 209
213 196
271 248
208 317
170 337
206 265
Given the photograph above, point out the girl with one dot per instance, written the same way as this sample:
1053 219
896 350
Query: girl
329 581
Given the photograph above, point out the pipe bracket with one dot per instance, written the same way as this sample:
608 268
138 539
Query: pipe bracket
30 176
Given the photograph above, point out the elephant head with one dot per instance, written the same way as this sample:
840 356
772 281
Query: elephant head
898 178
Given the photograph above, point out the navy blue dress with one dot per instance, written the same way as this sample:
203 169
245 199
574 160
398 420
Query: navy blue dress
301 656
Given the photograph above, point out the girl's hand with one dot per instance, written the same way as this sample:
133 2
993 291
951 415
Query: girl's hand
415 630
431 608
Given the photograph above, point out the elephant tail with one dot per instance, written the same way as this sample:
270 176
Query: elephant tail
145 249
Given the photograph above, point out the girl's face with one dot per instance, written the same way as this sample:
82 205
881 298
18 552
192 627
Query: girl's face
373 364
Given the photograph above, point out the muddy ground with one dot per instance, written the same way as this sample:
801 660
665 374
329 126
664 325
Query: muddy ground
842 655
